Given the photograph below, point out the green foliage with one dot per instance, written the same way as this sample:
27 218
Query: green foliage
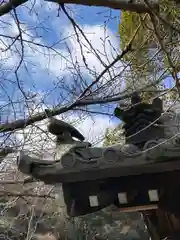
129 22
114 136
171 9
143 61
137 58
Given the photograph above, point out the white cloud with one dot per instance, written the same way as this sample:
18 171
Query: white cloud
10 54
102 40
7 57
59 61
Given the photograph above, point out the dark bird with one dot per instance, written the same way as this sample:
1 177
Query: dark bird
57 127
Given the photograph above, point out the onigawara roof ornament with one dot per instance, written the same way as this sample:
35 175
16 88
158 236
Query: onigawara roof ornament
151 140
151 135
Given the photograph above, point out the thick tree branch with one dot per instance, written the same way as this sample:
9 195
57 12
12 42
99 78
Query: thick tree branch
113 4
22 123
7 7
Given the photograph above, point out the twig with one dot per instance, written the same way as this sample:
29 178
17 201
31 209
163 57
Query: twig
22 123
127 49
174 72
21 55
13 41
94 112
152 10
25 181
75 25
9 194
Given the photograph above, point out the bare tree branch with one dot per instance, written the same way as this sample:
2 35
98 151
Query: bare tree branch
154 12
126 50
7 7
174 72
22 123
113 4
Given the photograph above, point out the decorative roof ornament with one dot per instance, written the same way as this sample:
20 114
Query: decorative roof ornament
91 173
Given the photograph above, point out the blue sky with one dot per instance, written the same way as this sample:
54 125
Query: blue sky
84 16
49 73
